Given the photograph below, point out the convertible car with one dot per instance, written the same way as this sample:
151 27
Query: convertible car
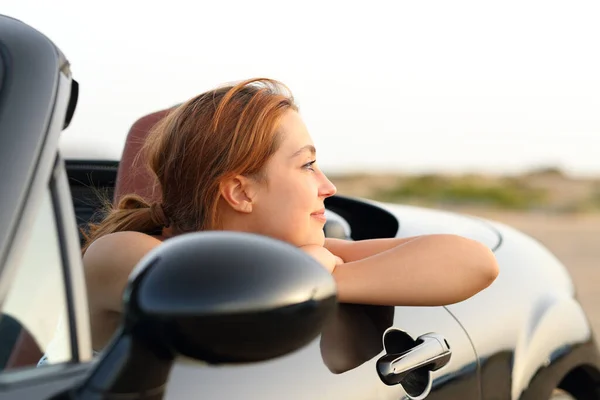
192 329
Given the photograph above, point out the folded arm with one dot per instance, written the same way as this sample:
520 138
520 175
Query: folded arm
349 250
428 270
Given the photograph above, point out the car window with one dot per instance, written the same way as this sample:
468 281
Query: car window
33 318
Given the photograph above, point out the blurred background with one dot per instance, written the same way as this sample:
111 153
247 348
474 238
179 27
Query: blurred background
487 108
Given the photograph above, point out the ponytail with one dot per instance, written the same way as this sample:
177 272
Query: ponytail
132 213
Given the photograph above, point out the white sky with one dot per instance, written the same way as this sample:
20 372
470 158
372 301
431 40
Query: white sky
382 85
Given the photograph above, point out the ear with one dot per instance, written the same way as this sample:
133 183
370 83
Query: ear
238 192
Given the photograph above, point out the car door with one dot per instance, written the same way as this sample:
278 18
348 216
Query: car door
340 364
43 309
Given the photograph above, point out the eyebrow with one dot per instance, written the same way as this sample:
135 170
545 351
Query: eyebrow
308 147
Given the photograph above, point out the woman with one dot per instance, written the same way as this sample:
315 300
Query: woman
240 158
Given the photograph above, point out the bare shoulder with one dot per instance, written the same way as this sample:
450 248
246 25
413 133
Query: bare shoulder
110 259
118 248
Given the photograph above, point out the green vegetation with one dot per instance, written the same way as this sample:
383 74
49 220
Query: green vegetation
546 189
505 193
591 203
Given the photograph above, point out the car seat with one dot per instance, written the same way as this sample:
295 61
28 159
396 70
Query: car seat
133 176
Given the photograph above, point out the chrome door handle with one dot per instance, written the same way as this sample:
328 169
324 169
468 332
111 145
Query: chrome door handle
433 352
409 362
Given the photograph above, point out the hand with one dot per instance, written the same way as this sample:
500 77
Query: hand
323 256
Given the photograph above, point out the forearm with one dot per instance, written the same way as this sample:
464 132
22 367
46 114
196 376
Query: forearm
427 271
357 250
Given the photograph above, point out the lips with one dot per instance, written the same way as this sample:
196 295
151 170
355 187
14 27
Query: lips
320 215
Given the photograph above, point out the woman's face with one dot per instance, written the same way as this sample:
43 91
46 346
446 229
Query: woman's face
288 203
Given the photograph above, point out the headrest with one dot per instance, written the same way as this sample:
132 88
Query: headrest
133 176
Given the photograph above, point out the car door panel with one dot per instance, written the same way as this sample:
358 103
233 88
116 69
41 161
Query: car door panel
307 373
459 379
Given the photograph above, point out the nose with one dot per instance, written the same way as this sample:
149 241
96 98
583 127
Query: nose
327 188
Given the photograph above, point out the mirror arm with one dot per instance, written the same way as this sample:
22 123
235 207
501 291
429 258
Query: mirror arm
128 366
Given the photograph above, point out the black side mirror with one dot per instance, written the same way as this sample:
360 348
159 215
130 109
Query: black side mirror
218 297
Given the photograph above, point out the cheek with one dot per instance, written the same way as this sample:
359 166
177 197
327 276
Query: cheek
291 199
304 195
287 214
300 189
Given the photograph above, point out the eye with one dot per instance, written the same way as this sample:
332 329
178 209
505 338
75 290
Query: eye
309 165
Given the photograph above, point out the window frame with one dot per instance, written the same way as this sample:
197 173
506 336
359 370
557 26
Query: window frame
72 276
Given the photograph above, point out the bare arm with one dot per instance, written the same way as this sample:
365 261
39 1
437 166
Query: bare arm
107 265
427 270
352 251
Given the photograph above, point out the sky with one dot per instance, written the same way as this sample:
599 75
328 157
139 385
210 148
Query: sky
451 86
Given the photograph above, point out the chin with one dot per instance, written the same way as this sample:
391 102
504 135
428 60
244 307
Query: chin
312 238
318 239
